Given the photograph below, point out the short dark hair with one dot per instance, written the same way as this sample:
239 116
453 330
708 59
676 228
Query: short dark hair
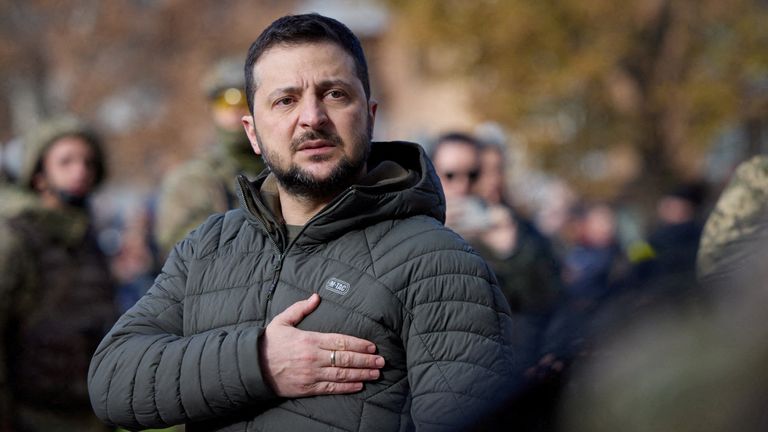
460 137
299 29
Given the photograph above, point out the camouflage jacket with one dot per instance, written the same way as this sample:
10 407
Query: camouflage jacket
739 219
197 189
57 305
14 199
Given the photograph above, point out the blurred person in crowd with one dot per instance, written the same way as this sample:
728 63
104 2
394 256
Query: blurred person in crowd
593 268
700 369
521 258
133 263
594 261
670 271
456 157
739 218
58 299
591 265
205 185
491 184
518 253
553 215
334 297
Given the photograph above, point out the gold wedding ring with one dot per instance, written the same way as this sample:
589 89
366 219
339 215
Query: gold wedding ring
333 358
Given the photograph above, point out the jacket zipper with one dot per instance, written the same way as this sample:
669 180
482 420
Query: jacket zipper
276 270
278 266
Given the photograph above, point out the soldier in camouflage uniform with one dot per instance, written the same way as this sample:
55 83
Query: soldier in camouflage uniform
206 185
738 222
12 198
56 290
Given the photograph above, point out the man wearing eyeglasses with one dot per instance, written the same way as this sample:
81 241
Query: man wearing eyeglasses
457 162
205 185
521 257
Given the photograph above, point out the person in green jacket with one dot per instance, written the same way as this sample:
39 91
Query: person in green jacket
334 298
56 288
205 184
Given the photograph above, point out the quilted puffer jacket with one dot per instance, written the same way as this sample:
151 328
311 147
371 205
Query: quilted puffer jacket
386 269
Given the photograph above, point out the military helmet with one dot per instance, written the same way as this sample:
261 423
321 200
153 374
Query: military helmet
225 74
40 138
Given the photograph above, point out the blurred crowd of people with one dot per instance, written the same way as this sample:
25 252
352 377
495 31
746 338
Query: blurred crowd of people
574 284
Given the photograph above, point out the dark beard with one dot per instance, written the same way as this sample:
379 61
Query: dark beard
300 183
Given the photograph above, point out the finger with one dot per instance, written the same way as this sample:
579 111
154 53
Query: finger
349 359
340 342
322 388
343 375
297 311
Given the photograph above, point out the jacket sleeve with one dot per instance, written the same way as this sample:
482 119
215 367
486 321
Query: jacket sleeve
147 373
460 341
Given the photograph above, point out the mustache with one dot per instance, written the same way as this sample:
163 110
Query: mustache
315 135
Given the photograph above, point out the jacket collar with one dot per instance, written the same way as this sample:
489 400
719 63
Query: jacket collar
401 182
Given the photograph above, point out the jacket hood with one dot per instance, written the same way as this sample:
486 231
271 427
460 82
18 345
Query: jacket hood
401 182
39 139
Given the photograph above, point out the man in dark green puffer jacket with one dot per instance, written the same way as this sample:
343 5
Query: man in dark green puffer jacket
334 299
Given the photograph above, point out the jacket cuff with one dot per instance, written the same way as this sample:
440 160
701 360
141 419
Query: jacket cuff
249 363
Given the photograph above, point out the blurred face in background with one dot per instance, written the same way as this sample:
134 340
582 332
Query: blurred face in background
68 167
458 165
228 107
674 210
490 183
599 226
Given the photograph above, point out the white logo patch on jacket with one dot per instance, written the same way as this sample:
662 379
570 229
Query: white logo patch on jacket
337 285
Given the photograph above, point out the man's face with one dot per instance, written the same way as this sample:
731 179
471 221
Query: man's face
311 120
457 165
227 108
69 165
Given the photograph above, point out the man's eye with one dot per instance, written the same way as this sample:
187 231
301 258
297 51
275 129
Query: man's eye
284 101
336 94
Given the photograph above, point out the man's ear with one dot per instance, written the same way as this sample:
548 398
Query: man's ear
250 130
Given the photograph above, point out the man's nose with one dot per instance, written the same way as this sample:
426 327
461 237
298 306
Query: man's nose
312 114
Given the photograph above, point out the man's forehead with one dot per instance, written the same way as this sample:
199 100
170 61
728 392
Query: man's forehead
457 153
457 146
283 61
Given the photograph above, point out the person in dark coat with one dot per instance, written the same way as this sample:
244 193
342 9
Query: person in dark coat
56 289
334 298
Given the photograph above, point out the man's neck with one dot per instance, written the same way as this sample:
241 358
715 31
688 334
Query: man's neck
298 210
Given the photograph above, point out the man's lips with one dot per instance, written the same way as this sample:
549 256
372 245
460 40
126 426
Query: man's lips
315 145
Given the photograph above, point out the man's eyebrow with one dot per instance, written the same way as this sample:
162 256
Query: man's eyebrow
324 84
282 91
334 83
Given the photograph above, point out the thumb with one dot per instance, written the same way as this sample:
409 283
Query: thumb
297 311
